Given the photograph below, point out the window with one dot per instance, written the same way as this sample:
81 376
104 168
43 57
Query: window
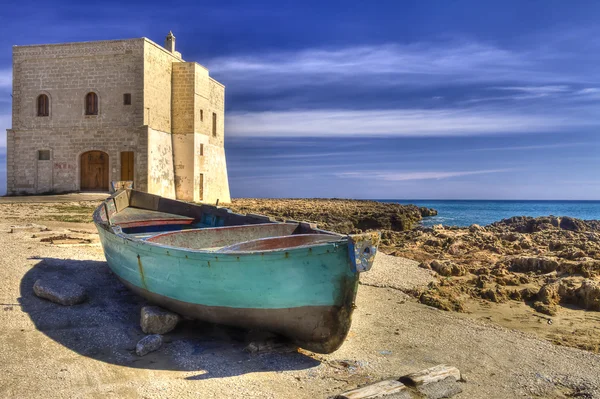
91 104
127 99
201 115
43 155
201 149
43 105
214 125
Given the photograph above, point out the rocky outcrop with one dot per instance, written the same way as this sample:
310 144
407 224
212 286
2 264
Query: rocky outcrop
155 320
59 291
343 216
426 212
527 224
533 264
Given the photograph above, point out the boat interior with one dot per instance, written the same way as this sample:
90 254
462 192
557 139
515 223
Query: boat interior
173 223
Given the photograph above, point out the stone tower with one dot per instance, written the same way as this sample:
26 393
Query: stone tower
88 113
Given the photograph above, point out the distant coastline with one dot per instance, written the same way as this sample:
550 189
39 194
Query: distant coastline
484 212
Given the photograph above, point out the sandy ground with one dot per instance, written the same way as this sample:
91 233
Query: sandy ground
87 350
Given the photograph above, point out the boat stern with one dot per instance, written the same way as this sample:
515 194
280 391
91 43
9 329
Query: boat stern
362 249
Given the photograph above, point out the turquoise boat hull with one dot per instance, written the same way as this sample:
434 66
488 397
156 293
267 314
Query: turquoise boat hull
305 292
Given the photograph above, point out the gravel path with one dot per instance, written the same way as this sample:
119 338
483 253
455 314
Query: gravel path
87 350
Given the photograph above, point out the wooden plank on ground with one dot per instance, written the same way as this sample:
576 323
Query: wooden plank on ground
431 375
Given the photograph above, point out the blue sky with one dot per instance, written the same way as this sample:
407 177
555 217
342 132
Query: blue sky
386 99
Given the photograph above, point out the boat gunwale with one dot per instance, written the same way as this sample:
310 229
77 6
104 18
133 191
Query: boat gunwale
117 231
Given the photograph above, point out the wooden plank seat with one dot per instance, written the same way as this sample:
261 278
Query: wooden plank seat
136 217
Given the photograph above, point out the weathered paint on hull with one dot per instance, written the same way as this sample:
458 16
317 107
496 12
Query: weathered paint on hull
306 293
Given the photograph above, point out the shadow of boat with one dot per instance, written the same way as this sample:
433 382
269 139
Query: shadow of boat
106 328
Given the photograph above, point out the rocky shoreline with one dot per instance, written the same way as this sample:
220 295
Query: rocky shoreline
340 215
544 261
517 272
549 264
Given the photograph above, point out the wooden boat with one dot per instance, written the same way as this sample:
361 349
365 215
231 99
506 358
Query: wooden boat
211 264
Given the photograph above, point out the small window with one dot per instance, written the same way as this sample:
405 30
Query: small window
44 155
201 149
127 99
214 125
43 105
201 115
91 104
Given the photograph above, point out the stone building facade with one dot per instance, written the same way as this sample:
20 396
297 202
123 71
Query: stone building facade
88 113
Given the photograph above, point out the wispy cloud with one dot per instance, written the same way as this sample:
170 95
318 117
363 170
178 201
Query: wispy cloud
415 175
537 90
400 122
418 64
5 78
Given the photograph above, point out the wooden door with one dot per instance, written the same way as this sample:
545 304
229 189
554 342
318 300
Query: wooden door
127 165
94 171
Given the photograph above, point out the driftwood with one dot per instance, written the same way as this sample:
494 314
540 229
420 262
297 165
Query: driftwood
431 375
435 382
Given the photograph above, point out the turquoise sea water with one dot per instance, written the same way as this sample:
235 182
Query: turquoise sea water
467 212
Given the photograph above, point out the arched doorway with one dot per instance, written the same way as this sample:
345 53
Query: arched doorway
94 171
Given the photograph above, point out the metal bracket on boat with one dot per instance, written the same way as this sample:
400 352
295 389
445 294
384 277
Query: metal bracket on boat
362 249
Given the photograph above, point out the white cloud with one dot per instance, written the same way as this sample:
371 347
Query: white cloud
414 175
413 64
4 124
5 78
538 90
400 122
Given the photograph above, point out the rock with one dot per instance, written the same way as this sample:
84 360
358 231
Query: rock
59 291
545 308
475 228
441 389
549 294
589 295
426 212
495 295
530 264
447 268
529 293
572 224
156 320
149 343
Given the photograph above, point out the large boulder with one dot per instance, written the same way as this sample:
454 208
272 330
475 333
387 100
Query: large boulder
149 343
59 291
155 320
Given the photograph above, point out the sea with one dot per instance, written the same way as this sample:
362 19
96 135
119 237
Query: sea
483 212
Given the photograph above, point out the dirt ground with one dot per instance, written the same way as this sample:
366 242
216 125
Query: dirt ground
87 350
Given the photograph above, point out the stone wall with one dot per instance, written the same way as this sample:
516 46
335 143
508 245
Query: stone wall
23 147
160 164
158 71
66 73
